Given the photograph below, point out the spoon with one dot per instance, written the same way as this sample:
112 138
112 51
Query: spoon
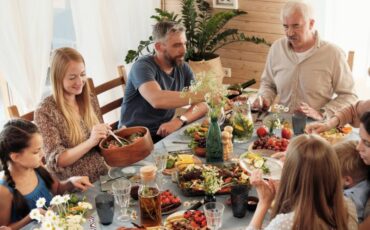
118 138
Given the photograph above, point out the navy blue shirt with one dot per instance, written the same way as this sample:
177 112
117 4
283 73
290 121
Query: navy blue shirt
135 110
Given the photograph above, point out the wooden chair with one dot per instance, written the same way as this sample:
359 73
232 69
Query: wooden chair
120 81
14 113
350 57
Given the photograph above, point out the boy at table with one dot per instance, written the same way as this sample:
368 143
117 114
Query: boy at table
354 175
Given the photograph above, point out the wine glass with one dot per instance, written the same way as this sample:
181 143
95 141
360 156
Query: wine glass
160 160
121 190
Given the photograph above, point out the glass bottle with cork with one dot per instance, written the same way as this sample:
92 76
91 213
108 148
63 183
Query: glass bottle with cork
149 198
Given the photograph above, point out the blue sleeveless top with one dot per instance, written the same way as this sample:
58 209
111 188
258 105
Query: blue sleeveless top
40 191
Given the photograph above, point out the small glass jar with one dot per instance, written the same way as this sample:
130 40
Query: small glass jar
149 198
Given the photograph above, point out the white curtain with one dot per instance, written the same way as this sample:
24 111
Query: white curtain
25 43
106 30
346 23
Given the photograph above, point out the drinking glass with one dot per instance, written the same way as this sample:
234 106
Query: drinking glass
121 190
239 195
299 121
104 203
160 159
213 212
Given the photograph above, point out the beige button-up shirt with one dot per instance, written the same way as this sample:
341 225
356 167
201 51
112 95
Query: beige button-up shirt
352 114
322 79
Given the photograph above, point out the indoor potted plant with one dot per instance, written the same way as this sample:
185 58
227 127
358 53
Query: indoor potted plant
204 32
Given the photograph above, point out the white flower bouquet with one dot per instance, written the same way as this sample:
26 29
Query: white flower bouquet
65 212
213 90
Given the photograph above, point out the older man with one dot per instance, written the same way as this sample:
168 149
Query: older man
309 75
154 84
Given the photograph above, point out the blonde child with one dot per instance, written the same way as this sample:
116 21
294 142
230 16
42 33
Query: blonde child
354 175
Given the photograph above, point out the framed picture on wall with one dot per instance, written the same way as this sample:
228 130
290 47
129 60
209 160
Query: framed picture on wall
225 4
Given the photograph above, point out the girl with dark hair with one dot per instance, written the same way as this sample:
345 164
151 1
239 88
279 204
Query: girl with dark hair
25 180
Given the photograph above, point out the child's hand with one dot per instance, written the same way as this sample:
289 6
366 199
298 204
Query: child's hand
265 189
81 182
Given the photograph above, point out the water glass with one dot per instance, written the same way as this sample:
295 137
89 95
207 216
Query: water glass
121 190
213 212
104 203
160 159
239 195
299 121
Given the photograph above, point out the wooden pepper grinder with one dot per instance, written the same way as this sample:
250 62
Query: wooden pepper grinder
227 143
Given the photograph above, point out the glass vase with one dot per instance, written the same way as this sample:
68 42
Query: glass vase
214 152
242 122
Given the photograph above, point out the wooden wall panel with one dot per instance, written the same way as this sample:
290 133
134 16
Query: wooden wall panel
247 60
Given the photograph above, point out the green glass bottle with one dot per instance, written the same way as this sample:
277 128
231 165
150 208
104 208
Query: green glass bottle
214 145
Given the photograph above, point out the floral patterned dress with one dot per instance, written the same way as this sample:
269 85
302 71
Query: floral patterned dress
53 128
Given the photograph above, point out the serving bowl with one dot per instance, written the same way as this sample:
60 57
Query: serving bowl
128 154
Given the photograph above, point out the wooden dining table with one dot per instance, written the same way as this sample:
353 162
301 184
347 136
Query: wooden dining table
176 141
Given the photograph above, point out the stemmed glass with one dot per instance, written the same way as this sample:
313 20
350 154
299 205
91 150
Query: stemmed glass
213 212
160 160
121 191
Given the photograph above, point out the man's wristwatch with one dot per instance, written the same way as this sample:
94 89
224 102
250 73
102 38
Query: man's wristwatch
183 119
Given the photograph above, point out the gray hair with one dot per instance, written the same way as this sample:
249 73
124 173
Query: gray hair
163 28
297 6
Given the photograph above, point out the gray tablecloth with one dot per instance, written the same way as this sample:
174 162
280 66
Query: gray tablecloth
229 222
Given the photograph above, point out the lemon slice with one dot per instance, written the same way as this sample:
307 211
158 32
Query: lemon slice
239 128
249 161
184 159
258 163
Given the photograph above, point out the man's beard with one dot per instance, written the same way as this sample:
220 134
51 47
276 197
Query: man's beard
174 61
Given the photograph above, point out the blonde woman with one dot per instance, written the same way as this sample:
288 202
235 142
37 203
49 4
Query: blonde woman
310 194
70 121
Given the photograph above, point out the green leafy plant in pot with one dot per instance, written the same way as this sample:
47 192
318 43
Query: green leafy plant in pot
205 34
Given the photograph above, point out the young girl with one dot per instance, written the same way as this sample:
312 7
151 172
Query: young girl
70 120
25 180
310 194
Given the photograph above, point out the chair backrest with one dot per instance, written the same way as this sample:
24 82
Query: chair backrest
350 57
14 113
96 90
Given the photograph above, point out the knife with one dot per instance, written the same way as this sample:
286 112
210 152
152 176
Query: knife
110 179
181 142
195 206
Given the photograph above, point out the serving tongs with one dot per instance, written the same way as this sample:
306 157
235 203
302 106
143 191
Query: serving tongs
119 139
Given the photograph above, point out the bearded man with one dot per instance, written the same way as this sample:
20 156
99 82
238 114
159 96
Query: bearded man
155 82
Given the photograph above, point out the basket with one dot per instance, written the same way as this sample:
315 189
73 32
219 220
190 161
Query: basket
129 154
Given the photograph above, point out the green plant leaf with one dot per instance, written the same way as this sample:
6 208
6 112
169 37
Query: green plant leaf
205 31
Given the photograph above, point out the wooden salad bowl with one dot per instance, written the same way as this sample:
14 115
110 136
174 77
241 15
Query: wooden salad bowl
129 154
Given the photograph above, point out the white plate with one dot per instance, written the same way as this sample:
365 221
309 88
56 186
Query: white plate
127 171
274 165
178 213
